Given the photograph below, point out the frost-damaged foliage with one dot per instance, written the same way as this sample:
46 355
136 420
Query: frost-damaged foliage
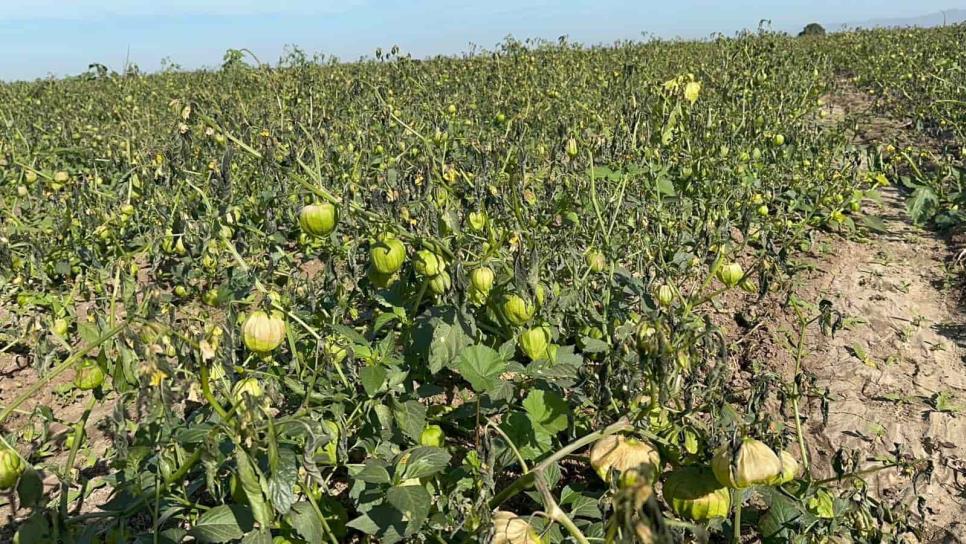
917 76
495 323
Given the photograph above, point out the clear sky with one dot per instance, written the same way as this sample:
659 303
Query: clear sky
61 37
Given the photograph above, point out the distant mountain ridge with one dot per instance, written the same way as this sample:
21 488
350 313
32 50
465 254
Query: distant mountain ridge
949 17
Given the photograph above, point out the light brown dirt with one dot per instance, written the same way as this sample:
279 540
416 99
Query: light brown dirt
50 452
887 370
895 374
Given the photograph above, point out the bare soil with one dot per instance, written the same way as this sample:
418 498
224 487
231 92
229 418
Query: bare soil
894 376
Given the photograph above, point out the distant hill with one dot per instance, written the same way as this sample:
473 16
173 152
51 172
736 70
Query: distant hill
949 17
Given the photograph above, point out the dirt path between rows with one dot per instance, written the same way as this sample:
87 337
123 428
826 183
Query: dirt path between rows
895 373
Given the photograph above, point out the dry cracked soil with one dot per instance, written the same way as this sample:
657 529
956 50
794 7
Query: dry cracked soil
892 380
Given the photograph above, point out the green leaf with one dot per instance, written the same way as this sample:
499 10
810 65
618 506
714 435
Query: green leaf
922 203
593 345
223 524
530 441
410 416
30 488
281 483
447 343
604 172
874 224
88 332
481 366
350 334
262 536
665 186
383 521
372 378
195 434
581 506
168 536
547 410
421 462
36 530
782 520
374 471
413 502
303 518
251 485
822 504
384 319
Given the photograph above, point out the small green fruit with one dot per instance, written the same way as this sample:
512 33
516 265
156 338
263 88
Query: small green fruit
388 255
478 221
432 436
250 387
318 219
571 148
596 261
790 468
440 283
730 274
11 467
427 263
620 453
752 463
517 310
665 295
534 343
481 279
89 375
60 327
695 494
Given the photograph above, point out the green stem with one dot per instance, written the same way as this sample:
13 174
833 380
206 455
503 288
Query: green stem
555 513
593 200
739 498
318 512
796 393
513 447
206 391
78 434
30 392
175 477
523 481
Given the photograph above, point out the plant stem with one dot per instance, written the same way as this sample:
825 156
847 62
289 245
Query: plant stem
31 391
78 434
799 355
513 447
858 473
739 497
206 391
593 200
555 513
520 483
318 512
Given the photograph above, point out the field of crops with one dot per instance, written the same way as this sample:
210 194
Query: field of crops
496 298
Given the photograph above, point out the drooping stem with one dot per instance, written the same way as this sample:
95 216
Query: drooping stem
513 447
859 473
796 393
523 481
555 513
78 435
31 391
206 391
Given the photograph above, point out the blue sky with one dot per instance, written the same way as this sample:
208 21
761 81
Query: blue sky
60 37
